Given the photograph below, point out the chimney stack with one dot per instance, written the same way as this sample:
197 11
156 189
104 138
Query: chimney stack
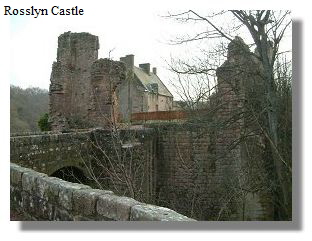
146 67
155 70
128 60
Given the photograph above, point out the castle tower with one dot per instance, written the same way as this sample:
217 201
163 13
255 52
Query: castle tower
70 79
83 87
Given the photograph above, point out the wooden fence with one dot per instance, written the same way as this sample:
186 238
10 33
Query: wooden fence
159 115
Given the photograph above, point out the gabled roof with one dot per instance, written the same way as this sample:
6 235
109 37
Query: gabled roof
148 79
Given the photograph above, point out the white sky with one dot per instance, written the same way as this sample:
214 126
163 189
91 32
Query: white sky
127 27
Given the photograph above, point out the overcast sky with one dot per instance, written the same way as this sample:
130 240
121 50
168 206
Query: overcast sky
128 27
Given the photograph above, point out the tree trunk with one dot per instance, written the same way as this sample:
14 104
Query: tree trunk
272 124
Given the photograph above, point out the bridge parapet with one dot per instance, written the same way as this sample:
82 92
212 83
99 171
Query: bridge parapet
49 152
39 197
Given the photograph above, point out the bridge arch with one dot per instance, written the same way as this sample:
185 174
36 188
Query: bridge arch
71 174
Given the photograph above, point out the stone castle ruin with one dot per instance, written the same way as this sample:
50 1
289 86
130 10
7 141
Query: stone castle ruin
201 170
83 87
89 92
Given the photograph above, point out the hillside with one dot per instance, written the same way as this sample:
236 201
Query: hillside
26 107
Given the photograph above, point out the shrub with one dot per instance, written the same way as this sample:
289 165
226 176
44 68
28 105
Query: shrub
43 122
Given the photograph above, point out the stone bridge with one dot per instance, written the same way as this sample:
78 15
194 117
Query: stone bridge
180 171
197 168
51 152
71 156
40 197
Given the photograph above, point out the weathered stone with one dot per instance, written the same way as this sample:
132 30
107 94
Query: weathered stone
50 198
29 180
15 197
62 215
48 188
85 200
189 166
45 210
147 212
16 175
75 54
124 205
95 80
115 207
106 76
30 204
66 193
106 206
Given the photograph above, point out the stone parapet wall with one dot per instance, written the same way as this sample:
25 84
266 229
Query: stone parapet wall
39 197
48 152
99 154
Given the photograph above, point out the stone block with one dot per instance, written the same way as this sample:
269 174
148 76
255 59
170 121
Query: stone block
15 198
146 212
45 210
84 201
48 189
29 180
106 206
15 177
62 215
30 203
123 206
66 192
115 207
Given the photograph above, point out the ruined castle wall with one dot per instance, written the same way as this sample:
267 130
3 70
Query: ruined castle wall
195 180
228 132
186 170
36 196
83 87
106 76
206 166
70 79
238 82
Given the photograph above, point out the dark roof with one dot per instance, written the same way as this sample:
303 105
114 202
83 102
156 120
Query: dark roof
148 79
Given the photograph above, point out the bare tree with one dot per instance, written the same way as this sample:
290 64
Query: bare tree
114 157
265 30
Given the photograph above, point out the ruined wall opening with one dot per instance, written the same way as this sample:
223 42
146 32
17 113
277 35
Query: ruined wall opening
71 174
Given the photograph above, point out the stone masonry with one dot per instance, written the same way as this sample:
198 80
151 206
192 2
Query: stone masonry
106 76
82 89
43 198
198 169
240 83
